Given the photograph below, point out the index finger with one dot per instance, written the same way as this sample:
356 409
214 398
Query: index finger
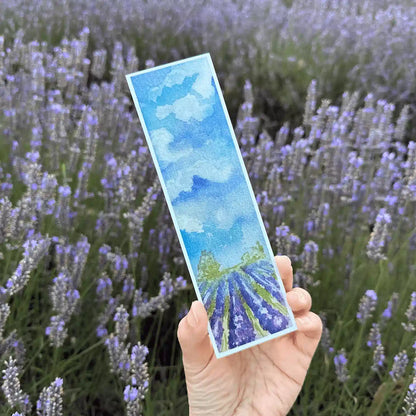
285 268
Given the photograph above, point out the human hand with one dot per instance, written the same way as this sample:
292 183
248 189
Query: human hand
263 380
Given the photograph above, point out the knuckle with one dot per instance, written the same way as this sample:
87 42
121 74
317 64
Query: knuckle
180 330
304 295
317 321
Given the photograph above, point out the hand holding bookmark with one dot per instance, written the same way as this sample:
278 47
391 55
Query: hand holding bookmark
262 380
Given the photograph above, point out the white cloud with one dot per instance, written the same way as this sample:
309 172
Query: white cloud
175 77
220 211
186 108
181 182
191 105
213 169
202 84
160 140
189 224
206 162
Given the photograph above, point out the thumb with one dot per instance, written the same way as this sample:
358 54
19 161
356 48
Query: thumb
194 340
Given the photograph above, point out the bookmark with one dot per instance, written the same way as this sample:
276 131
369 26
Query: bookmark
212 204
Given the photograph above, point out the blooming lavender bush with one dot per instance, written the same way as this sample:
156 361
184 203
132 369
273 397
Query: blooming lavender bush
280 45
88 251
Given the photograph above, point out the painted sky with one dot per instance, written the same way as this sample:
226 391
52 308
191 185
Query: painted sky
198 160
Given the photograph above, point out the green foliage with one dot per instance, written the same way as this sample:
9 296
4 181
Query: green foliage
208 266
254 254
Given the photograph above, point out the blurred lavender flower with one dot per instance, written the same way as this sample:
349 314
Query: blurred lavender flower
64 294
378 239
310 105
121 318
326 341
63 213
135 393
98 63
374 337
104 287
144 307
50 399
13 346
318 220
399 131
115 351
287 243
367 306
391 307
4 314
410 325
36 248
128 288
399 366
56 331
137 217
106 315
310 257
6 219
410 400
11 387
281 232
71 259
378 357
117 263
340 361
131 368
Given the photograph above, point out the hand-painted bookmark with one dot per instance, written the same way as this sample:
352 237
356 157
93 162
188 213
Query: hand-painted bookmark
210 198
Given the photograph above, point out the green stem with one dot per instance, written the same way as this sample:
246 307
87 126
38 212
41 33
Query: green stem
68 361
400 400
325 377
157 337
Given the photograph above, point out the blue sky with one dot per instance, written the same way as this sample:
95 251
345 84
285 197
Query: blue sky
198 160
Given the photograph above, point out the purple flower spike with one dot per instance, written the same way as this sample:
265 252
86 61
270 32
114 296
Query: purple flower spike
367 306
340 361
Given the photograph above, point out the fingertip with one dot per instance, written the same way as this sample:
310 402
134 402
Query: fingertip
195 343
194 324
299 299
310 324
284 265
199 309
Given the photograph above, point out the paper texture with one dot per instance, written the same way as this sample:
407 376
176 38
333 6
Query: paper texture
206 186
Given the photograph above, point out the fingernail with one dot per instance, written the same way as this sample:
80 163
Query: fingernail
192 318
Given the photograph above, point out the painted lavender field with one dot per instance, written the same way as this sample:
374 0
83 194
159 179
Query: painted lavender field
93 279
211 201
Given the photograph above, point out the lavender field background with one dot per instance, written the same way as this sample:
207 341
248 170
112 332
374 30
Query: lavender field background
93 282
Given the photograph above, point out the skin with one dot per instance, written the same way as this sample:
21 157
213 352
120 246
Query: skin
262 380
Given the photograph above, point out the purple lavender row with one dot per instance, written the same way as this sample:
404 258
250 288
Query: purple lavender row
241 327
262 272
203 286
209 295
270 319
218 314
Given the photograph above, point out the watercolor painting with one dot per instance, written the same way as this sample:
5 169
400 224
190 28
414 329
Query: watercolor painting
212 204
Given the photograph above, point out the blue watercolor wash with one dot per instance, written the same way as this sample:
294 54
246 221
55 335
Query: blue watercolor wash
196 155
